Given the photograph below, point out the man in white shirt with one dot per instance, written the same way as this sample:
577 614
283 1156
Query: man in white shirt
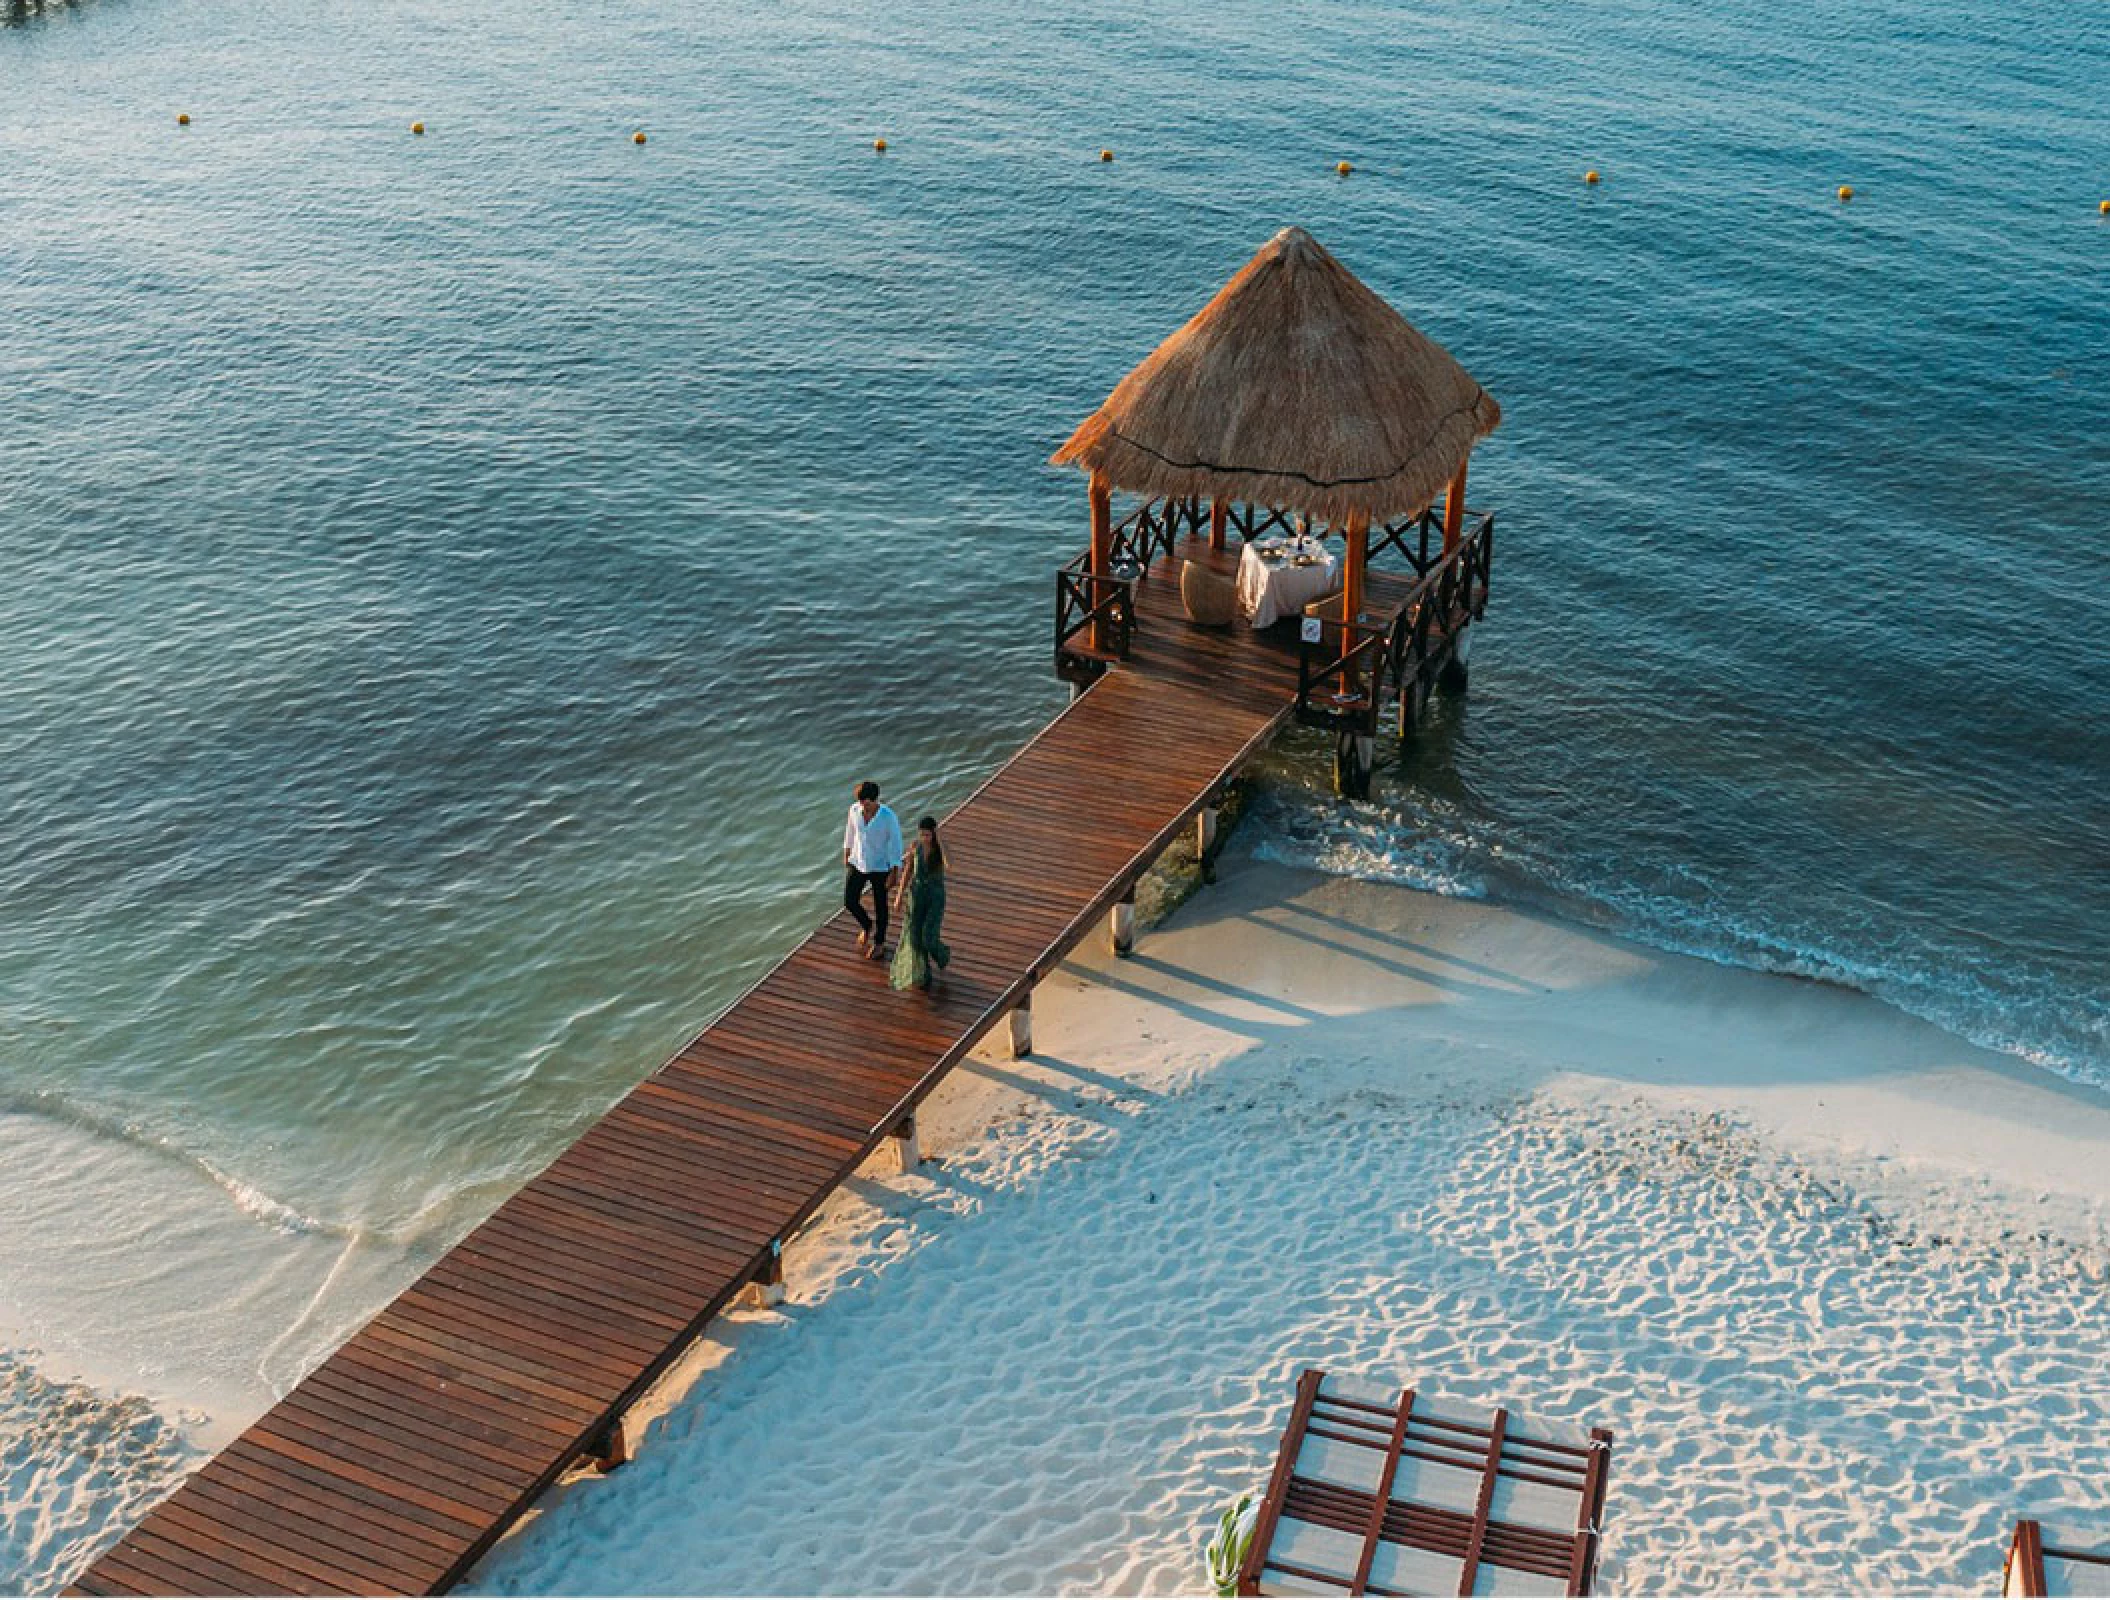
871 852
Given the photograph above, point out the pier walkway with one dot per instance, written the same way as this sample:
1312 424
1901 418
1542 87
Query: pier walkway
403 1457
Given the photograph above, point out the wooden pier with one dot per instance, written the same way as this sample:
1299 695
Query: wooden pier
399 1460
1295 399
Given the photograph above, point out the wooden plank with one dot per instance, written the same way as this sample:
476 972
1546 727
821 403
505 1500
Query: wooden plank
1255 1562
374 1504
1383 1494
415 1414
1487 1499
1582 1572
251 1542
604 1297
469 1401
332 1519
352 1455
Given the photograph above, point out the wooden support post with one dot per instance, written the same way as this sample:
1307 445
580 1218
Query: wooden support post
1102 498
1454 675
2023 1578
1454 511
1122 925
1219 514
1022 1028
1205 824
1413 694
1354 754
610 1448
766 1287
1353 569
908 1152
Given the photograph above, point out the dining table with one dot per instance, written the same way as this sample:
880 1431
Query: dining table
1278 578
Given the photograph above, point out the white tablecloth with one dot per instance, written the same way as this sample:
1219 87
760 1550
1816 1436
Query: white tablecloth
1271 590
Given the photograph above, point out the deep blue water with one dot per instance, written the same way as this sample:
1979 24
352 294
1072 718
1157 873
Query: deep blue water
452 579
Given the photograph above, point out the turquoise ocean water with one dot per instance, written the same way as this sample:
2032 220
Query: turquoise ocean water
451 580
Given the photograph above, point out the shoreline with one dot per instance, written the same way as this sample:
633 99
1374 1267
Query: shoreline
1457 1016
1839 1164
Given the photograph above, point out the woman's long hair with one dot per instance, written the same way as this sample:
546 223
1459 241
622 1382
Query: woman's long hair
936 859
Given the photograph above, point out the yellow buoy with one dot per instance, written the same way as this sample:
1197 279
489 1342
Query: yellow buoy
1590 176
417 127
1846 191
1344 167
2103 208
183 121
638 137
1106 155
879 145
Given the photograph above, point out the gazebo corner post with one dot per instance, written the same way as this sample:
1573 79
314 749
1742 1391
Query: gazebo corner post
1454 510
1355 750
1354 568
1357 565
1219 516
1101 493
1452 676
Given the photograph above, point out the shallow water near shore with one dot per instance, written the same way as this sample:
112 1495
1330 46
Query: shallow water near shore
455 579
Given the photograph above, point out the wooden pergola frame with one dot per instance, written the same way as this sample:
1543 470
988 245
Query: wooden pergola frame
1338 1477
1355 566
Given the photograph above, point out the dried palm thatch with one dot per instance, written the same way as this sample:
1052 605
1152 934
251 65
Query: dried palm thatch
1296 386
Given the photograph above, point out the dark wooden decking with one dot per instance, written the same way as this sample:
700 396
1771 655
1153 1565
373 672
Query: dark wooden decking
398 1461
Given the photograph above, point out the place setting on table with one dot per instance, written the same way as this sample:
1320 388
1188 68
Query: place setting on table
1279 576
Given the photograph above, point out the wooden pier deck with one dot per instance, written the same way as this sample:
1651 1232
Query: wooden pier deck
396 1463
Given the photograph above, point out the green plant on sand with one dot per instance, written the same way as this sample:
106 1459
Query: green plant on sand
1234 1532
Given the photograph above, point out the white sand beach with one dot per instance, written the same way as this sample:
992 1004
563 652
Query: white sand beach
1835 1279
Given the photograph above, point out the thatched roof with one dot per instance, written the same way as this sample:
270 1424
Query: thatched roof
1296 386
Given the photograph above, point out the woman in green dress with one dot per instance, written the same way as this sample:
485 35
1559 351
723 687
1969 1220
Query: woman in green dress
922 953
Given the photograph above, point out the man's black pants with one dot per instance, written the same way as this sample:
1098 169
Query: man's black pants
854 883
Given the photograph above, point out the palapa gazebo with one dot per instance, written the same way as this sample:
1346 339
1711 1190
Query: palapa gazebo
1296 393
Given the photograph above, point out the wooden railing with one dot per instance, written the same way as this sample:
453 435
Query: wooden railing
1257 522
1095 618
1345 675
1418 538
1095 613
1153 528
1341 674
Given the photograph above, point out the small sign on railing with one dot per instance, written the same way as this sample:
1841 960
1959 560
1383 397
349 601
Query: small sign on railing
1314 630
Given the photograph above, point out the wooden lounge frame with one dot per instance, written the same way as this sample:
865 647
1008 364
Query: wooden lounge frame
1397 1493
2038 1568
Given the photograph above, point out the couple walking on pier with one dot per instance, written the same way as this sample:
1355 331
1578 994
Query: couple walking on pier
913 878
